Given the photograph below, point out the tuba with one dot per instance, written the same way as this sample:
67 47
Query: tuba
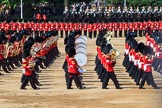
114 53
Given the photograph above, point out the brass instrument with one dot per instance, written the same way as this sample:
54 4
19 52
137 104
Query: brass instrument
6 50
114 53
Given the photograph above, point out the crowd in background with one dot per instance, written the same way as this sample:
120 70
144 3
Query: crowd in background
82 12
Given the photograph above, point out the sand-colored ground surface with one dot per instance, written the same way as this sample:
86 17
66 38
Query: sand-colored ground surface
53 92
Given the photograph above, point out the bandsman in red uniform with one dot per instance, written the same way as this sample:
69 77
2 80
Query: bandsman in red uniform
121 26
108 63
115 26
66 29
71 26
140 25
135 26
160 25
110 26
144 25
130 26
73 70
90 28
57 27
147 76
125 28
95 27
28 70
156 26
62 26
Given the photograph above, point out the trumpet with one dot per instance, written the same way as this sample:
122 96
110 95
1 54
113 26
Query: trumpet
114 53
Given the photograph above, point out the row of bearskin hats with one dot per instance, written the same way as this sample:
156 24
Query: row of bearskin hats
70 43
138 47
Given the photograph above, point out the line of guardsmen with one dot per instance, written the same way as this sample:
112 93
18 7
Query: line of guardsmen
138 61
93 13
105 61
40 51
20 48
89 29
154 41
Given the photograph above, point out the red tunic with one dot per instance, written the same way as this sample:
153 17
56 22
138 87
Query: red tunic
100 26
26 68
121 26
135 25
66 26
115 25
160 25
130 25
72 66
90 27
110 65
110 26
61 26
147 64
140 26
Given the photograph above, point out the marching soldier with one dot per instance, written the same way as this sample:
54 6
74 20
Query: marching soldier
27 70
147 76
108 63
73 70
120 28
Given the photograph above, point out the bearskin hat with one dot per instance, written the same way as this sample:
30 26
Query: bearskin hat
147 50
71 52
103 42
141 46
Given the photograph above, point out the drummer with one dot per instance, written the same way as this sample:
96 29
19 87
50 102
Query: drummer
73 70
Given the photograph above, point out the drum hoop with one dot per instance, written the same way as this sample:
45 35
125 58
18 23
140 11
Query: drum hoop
80 47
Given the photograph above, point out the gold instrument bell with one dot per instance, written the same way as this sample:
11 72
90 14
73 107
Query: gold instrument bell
114 53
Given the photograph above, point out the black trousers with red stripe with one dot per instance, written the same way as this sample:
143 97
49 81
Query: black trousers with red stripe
76 80
112 76
147 76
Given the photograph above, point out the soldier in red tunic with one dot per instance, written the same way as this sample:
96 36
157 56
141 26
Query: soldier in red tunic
125 28
147 76
115 26
73 70
120 28
108 63
135 26
85 26
90 28
140 26
66 29
28 65
95 27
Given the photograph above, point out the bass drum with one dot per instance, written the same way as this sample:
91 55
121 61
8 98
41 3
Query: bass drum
84 37
81 59
81 45
81 50
81 39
